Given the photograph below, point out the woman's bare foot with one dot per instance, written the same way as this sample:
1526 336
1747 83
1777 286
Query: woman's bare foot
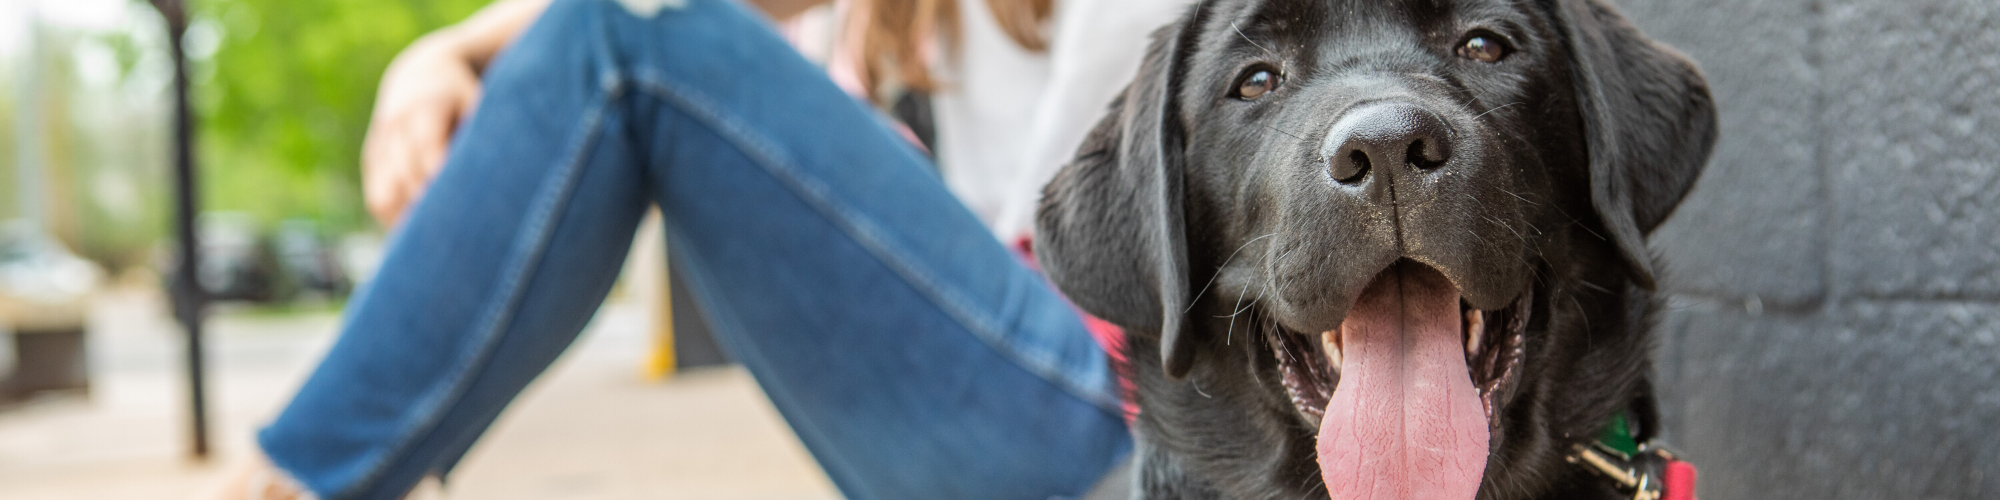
254 478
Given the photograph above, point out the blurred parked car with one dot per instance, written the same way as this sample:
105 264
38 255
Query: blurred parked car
44 302
236 264
42 285
241 262
308 261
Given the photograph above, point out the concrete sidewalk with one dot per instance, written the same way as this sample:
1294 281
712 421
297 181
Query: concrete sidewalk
589 429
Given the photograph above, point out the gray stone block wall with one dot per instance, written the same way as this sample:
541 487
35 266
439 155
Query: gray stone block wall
1833 330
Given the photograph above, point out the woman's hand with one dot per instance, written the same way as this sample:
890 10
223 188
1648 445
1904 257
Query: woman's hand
426 91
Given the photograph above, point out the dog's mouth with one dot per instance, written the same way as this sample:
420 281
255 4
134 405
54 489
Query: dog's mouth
1395 408
1310 364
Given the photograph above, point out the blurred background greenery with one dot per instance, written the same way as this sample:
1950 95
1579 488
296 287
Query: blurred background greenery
283 89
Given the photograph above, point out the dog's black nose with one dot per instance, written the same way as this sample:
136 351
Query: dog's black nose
1385 134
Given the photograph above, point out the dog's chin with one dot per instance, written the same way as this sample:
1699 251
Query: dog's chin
1310 364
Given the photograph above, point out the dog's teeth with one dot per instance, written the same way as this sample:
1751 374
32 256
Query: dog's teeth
1475 330
1330 341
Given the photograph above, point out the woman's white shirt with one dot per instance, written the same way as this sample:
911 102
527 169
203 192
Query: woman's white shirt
1008 118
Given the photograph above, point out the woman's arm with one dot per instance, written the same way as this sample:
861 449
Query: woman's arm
434 83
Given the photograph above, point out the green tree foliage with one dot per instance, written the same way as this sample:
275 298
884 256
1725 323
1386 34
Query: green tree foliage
285 97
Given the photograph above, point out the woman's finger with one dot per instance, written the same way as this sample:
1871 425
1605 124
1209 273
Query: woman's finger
430 137
387 177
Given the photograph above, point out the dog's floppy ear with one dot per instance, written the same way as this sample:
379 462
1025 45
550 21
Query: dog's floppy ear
1648 120
1109 231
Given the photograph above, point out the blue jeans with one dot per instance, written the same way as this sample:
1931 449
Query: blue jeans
912 353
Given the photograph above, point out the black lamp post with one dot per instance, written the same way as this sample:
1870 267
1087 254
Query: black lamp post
189 299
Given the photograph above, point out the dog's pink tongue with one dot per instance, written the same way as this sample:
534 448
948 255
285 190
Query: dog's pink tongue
1404 421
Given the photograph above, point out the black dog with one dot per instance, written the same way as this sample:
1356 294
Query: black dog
1383 248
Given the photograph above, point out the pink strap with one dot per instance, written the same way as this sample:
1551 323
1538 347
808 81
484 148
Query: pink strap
1112 339
1109 337
1679 481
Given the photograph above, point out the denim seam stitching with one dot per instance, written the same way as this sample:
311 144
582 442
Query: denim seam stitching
527 250
859 228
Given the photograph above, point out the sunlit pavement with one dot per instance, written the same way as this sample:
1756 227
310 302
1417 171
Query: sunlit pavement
589 429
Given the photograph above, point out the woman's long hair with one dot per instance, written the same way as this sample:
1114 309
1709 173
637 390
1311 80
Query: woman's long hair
895 35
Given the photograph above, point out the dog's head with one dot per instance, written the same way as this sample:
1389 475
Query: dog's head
1315 207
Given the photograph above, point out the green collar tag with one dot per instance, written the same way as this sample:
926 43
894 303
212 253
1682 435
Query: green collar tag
1617 435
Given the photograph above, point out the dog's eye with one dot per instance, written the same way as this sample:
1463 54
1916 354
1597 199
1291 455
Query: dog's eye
1482 48
1255 84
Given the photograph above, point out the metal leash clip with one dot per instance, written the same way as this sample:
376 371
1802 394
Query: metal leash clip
1638 473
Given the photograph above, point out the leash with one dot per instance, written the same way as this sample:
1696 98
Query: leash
1646 470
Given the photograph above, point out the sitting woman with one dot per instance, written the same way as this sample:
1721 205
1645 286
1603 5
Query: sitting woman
914 354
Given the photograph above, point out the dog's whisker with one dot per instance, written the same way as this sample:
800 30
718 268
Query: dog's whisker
1253 302
1578 223
1240 308
1518 197
1281 258
1504 224
1580 314
1260 295
1230 339
1218 271
1495 108
1313 490
1475 235
1253 315
1281 131
1294 356
1523 259
1253 43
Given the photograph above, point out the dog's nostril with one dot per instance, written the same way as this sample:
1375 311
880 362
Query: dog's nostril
1351 169
1424 155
